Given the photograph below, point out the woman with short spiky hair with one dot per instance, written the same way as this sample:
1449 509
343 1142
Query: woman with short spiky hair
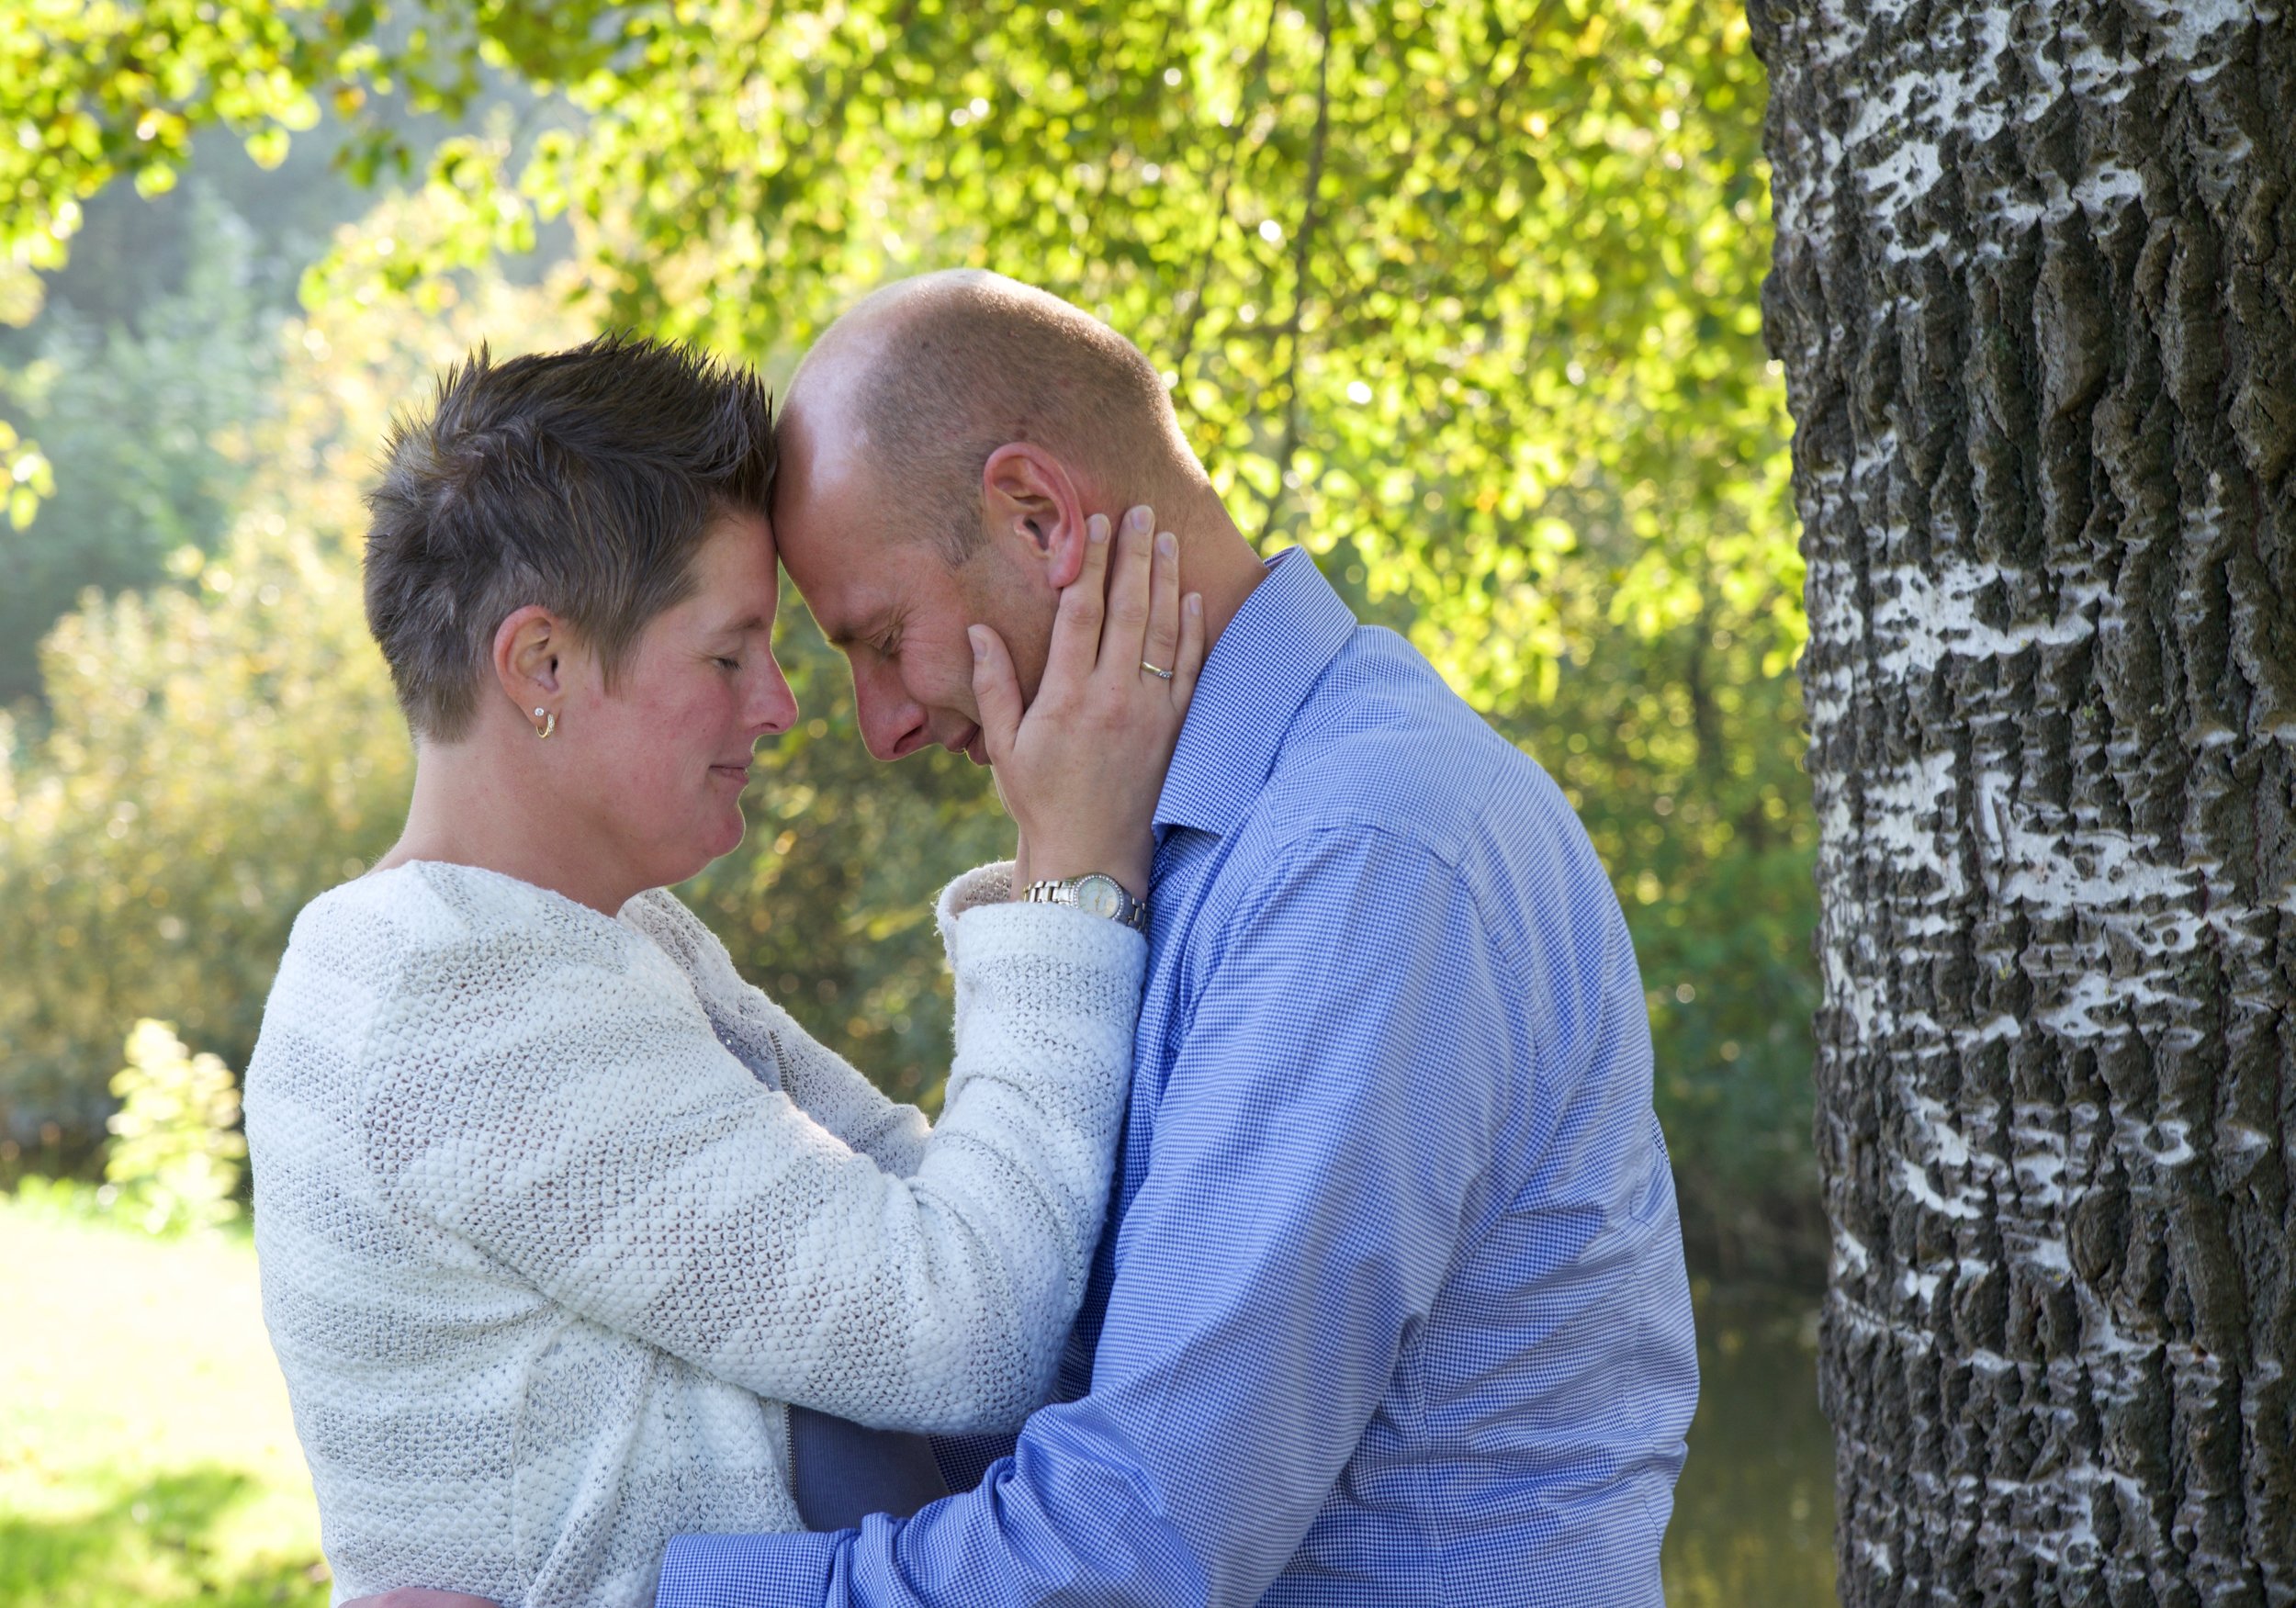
562 1224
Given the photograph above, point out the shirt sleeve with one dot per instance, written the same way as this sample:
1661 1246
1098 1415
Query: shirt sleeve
1326 1136
577 1121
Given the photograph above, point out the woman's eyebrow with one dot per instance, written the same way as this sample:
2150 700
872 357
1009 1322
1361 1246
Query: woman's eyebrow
752 621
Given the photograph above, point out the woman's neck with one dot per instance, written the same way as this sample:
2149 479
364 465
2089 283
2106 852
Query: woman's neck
470 810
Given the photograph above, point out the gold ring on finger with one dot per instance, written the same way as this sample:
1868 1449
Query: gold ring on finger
1160 675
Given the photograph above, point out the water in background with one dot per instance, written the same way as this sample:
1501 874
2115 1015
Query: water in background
1753 1516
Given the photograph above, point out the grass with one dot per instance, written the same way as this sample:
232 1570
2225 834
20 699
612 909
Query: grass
146 1453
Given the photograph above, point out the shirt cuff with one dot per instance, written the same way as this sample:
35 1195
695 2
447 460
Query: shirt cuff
748 1571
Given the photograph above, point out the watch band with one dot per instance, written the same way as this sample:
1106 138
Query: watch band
1096 894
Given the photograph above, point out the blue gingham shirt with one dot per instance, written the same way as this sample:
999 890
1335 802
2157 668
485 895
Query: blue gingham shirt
1391 1307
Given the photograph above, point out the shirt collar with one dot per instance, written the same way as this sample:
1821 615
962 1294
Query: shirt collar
1259 673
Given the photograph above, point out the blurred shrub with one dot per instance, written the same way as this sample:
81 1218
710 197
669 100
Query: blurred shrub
215 757
175 1159
148 429
214 753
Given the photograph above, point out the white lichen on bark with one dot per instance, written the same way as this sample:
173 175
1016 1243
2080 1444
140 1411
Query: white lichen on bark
2035 294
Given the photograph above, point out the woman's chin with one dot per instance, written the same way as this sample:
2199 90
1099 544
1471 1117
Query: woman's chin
727 837
710 836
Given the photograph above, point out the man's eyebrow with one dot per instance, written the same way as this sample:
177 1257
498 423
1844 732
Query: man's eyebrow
846 632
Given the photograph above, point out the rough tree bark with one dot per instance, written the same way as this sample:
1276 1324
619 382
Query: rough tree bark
2035 294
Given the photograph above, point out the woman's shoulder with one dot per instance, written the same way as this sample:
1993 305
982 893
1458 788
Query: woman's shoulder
448 943
362 959
430 907
441 965
362 929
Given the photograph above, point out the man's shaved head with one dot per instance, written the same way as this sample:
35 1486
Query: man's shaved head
946 452
926 378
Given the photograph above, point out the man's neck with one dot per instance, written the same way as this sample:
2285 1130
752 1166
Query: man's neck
1217 561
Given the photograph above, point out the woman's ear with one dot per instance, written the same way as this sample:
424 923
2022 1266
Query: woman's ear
1033 506
528 647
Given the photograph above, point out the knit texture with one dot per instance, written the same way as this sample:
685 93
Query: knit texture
556 1212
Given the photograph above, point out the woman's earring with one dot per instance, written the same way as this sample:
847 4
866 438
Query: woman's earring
549 725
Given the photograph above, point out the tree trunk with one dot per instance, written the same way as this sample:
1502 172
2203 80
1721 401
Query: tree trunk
2035 294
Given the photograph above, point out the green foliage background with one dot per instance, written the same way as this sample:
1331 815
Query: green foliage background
1461 297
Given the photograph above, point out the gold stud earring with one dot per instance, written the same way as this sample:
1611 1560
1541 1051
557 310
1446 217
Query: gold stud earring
549 725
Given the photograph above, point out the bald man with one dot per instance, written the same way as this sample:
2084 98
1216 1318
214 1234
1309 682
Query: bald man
1390 1306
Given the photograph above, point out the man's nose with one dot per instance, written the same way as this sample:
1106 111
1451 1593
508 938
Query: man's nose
893 725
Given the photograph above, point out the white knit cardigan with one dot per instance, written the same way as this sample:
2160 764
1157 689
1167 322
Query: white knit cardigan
554 1212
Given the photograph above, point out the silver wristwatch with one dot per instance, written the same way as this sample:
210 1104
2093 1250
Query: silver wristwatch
1095 895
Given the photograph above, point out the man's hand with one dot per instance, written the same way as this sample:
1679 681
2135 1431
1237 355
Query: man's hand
405 1598
1080 765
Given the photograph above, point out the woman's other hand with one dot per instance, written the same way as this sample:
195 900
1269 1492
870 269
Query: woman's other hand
1081 767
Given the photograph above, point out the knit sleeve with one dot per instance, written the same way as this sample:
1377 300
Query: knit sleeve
825 1086
574 1118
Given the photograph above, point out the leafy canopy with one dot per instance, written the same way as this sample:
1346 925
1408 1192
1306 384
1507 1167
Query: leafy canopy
1462 296
1386 252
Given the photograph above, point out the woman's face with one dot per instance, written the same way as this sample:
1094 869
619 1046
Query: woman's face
658 763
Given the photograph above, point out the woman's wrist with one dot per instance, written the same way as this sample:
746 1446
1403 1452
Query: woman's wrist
1051 864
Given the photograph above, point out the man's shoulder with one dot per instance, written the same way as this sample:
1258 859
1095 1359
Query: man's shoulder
1382 746
1389 783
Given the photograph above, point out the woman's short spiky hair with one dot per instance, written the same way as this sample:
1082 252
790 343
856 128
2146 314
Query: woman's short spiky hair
584 481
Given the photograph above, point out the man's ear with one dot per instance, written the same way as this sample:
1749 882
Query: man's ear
528 648
1033 504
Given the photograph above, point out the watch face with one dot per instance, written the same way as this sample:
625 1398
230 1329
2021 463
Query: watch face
1100 895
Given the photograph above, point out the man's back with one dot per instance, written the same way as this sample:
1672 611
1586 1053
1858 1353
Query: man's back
1404 878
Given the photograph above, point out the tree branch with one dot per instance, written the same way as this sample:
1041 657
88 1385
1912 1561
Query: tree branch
1256 70
1302 247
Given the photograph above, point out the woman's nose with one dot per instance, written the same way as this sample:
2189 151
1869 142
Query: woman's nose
776 708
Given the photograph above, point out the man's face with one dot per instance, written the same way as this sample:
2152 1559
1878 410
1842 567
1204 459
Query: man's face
893 606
